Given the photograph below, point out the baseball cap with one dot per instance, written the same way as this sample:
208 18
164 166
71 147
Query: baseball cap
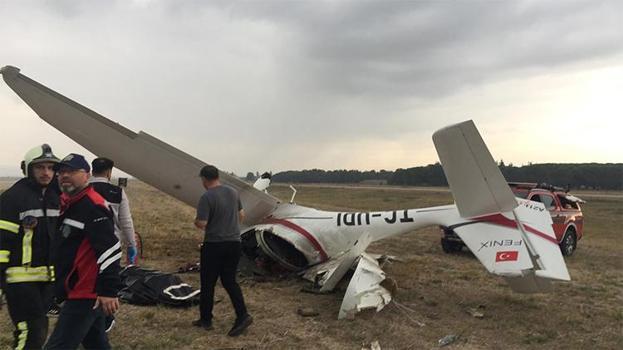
74 161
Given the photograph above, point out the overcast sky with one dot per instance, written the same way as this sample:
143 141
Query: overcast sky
279 85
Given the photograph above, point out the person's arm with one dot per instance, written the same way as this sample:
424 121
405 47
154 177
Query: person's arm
203 213
201 224
109 305
9 229
241 215
126 226
101 235
126 223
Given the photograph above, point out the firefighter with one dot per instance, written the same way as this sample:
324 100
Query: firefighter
29 212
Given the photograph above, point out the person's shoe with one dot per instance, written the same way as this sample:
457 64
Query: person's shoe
203 324
110 323
240 326
54 310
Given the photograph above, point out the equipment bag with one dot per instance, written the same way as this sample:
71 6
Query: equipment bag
151 287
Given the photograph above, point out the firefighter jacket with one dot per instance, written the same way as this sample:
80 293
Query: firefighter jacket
28 220
88 251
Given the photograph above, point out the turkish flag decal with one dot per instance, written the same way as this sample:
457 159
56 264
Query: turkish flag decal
510 255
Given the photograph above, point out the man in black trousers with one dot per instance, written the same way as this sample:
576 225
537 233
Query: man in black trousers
219 213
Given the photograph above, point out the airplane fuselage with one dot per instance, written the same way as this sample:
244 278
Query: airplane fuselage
321 235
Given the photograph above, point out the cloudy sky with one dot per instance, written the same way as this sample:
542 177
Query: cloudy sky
278 85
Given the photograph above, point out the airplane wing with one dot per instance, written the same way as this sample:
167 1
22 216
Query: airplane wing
139 154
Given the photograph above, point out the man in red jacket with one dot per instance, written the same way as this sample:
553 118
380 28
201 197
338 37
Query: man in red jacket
87 267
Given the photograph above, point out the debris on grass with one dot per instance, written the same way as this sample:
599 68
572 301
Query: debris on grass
448 339
475 313
189 267
408 312
375 345
307 312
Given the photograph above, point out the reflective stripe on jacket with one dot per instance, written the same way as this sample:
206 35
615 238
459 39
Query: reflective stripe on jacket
88 251
28 220
18 274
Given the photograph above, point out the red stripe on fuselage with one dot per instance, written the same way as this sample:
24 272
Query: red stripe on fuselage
499 219
303 232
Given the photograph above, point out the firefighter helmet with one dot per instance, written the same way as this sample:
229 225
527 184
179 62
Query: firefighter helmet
39 154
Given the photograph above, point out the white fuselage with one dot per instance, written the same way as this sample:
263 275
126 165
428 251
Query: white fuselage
320 235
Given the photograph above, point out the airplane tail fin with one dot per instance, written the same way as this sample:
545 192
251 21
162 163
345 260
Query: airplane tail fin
476 182
512 238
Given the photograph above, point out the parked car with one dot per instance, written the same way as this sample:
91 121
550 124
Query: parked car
567 218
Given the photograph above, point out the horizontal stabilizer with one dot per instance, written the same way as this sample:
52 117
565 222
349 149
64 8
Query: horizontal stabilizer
497 243
537 229
478 186
519 245
529 283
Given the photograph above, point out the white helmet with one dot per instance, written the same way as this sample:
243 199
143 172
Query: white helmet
39 154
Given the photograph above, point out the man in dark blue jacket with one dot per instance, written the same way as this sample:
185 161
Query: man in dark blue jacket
87 267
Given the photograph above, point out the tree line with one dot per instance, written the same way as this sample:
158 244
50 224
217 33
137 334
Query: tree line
608 176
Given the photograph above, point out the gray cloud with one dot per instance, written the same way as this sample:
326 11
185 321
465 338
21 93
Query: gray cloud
279 76
433 49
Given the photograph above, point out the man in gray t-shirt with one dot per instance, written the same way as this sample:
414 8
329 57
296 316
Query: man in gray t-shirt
219 212
220 208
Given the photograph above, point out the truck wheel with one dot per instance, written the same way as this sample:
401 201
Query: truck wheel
568 243
449 246
446 246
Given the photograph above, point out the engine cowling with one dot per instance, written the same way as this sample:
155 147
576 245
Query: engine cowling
285 245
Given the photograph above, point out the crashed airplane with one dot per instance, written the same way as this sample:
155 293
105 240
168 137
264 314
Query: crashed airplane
321 245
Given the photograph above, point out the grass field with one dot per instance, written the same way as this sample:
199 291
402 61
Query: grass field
435 294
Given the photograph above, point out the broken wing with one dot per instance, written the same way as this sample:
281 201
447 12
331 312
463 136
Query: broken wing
139 154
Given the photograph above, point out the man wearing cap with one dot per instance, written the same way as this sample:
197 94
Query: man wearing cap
101 169
87 265
28 215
